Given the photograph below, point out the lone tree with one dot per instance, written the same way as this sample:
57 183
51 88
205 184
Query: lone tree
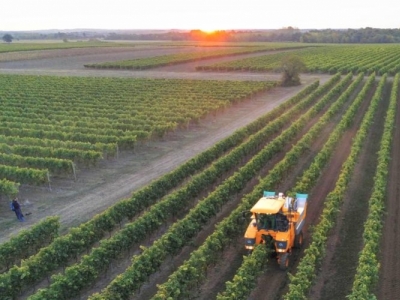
8 38
291 66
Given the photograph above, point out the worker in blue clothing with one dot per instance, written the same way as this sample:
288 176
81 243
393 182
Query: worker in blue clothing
16 207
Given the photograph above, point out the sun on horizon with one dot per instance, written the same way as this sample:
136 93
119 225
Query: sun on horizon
209 31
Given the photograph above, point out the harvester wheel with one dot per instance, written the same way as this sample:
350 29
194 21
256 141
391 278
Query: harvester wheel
284 261
298 240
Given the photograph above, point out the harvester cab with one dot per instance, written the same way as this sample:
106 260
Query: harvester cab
277 220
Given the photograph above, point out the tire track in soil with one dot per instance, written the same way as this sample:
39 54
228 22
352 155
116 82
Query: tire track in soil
389 277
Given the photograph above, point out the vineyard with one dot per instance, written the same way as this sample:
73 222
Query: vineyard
181 235
50 124
166 60
327 59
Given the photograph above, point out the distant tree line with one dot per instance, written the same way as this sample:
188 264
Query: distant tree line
364 35
287 34
36 35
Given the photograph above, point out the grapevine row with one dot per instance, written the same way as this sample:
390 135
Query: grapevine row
126 124
245 279
302 280
28 241
107 149
83 156
8 188
24 175
126 141
368 265
51 164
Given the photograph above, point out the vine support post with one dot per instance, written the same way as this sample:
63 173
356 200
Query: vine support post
73 170
48 180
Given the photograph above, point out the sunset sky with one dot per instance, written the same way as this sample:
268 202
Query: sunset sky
197 14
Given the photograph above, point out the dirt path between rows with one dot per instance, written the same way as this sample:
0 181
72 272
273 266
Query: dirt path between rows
98 188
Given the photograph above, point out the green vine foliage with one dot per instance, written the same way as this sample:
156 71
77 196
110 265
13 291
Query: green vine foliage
300 282
82 238
246 276
182 231
367 273
28 241
185 229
